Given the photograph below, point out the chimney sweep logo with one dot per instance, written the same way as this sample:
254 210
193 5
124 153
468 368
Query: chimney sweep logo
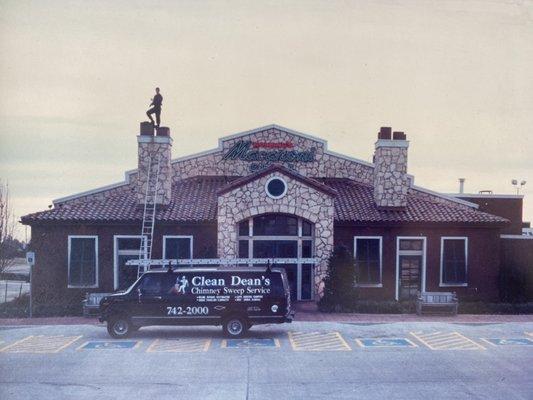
181 285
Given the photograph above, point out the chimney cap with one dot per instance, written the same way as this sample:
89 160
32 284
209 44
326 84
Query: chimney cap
385 133
146 129
397 135
162 131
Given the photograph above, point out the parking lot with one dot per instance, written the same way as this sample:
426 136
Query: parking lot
303 360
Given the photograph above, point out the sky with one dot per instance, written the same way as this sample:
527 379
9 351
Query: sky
77 76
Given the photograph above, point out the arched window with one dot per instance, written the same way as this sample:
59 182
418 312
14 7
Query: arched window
281 236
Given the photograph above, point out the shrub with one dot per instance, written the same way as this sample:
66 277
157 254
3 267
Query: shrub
339 282
513 282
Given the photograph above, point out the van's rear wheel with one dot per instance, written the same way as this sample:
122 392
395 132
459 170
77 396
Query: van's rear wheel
119 327
235 327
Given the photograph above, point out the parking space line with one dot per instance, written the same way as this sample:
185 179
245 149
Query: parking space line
447 341
179 345
529 333
318 341
41 344
16 343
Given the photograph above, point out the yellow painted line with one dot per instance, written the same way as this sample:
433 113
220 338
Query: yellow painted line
318 341
68 343
178 345
471 341
529 333
42 344
17 342
454 341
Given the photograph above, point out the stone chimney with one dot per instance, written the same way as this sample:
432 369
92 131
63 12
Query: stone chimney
154 148
390 170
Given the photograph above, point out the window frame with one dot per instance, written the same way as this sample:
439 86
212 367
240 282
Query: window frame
300 238
116 251
285 190
465 241
96 266
370 285
165 237
422 253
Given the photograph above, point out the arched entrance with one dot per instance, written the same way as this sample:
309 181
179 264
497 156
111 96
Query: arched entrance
281 236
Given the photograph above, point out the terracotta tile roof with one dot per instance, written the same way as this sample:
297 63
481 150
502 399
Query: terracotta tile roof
195 200
355 203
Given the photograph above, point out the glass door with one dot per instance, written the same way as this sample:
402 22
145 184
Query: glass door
280 249
410 273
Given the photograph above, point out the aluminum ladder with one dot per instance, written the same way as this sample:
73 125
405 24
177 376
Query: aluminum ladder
150 205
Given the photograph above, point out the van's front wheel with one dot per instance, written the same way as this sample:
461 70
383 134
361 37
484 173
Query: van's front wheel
119 327
235 327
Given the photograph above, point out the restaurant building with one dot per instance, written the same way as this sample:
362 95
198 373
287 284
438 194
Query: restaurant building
273 192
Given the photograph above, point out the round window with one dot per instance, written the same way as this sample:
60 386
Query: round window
276 187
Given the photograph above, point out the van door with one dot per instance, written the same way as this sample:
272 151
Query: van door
151 309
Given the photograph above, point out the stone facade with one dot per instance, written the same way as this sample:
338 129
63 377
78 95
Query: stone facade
154 149
391 183
301 200
325 164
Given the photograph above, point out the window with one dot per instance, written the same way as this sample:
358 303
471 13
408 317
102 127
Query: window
278 236
177 247
127 247
453 261
157 284
367 252
276 188
83 261
275 225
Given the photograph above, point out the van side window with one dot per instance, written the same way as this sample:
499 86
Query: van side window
157 284
151 285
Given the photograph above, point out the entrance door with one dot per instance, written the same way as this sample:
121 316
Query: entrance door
410 276
281 236
280 249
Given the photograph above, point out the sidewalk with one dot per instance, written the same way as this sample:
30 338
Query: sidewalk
308 312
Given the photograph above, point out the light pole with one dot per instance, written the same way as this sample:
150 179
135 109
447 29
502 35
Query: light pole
518 187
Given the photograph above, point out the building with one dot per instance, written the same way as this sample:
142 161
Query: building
273 192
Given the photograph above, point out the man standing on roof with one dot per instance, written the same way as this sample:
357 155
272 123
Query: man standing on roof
157 101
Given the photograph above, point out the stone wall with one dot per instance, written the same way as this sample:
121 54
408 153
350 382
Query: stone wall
301 200
153 149
391 183
325 164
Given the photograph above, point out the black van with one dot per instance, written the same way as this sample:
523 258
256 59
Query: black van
235 298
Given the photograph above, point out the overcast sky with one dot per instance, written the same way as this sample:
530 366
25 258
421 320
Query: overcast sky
77 77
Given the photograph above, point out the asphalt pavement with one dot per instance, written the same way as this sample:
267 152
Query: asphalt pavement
303 360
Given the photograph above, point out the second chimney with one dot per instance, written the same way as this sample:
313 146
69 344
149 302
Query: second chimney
154 149
391 183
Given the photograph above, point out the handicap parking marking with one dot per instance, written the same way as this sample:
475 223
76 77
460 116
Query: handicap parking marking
250 343
508 341
110 344
41 344
318 341
179 345
385 342
446 341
